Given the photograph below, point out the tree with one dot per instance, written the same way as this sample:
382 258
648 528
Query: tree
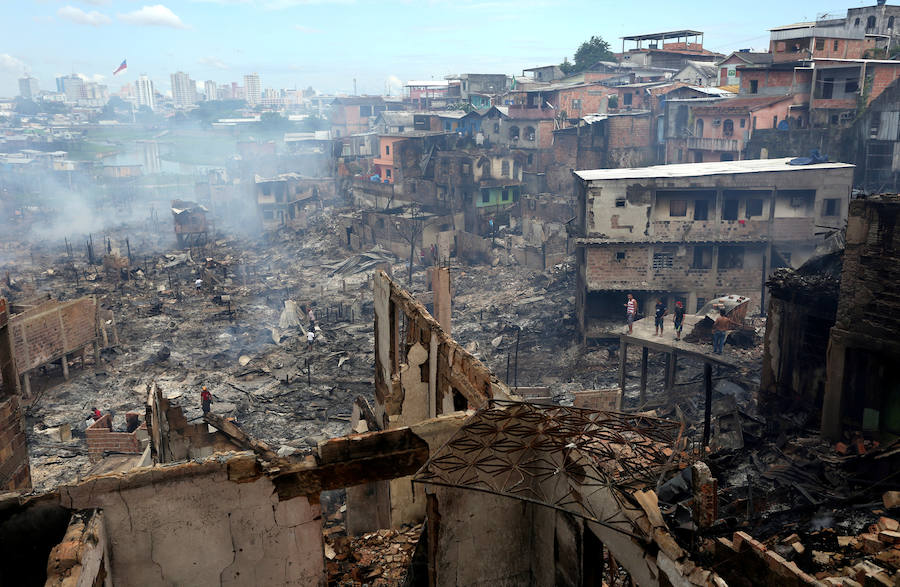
589 53
411 232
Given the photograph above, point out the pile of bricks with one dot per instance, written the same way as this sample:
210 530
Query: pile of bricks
870 558
376 558
14 469
101 438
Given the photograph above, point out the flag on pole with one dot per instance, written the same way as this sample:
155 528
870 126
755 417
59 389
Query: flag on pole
122 67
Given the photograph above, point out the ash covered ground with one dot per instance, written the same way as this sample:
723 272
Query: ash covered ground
226 335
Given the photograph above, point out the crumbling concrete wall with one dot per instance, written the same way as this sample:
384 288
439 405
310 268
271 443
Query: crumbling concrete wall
216 522
82 558
483 539
14 467
427 373
172 438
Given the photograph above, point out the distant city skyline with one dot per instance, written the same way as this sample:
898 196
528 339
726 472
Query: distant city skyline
327 44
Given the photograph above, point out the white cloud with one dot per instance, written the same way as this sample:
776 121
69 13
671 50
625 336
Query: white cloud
213 62
11 64
306 29
95 2
79 16
156 15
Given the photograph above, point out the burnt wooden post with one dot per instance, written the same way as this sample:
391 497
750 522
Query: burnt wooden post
623 355
644 355
707 408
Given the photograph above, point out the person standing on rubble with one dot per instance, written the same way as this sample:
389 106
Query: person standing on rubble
310 338
720 331
205 399
659 315
312 317
630 311
678 319
198 283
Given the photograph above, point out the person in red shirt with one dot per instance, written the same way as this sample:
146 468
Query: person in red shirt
205 400
95 414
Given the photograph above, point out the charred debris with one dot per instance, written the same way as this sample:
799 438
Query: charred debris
375 421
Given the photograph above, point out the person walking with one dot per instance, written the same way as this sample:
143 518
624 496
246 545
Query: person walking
630 312
678 319
659 315
312 317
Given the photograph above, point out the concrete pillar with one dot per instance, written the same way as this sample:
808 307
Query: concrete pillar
26 385
623 356
440 286
96 355
644 353
65 366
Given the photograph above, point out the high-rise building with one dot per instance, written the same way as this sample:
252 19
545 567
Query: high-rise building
252 91
184 90
28 87
72 86
145 92
209 88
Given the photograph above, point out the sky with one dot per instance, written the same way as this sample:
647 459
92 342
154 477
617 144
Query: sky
327 44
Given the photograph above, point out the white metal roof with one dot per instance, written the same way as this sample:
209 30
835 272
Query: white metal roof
696 169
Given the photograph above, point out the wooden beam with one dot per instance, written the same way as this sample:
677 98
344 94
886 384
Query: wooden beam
239 437
353 460
623 357
644 356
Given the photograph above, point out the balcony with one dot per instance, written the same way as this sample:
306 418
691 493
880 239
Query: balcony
705 144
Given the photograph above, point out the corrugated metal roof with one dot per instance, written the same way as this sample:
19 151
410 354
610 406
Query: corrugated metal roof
700 169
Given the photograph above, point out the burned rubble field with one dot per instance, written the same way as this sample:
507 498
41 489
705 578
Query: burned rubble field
223 336
227 336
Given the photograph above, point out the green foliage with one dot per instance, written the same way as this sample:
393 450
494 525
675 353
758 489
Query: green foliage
589 53
613 101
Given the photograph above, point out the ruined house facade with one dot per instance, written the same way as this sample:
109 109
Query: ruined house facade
861 390
287 199
692 232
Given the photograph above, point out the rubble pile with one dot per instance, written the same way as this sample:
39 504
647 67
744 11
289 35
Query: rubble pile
376 558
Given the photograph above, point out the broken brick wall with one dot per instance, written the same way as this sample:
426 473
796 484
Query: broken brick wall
798 322
51 330
218 521
172 438
863 362
15 472
102 439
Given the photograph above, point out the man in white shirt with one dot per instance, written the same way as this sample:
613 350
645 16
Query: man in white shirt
630 311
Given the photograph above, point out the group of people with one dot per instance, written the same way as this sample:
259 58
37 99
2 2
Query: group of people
720 327
660 313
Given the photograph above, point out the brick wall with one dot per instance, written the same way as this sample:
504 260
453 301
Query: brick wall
884 76
14 469
50 330
101 438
